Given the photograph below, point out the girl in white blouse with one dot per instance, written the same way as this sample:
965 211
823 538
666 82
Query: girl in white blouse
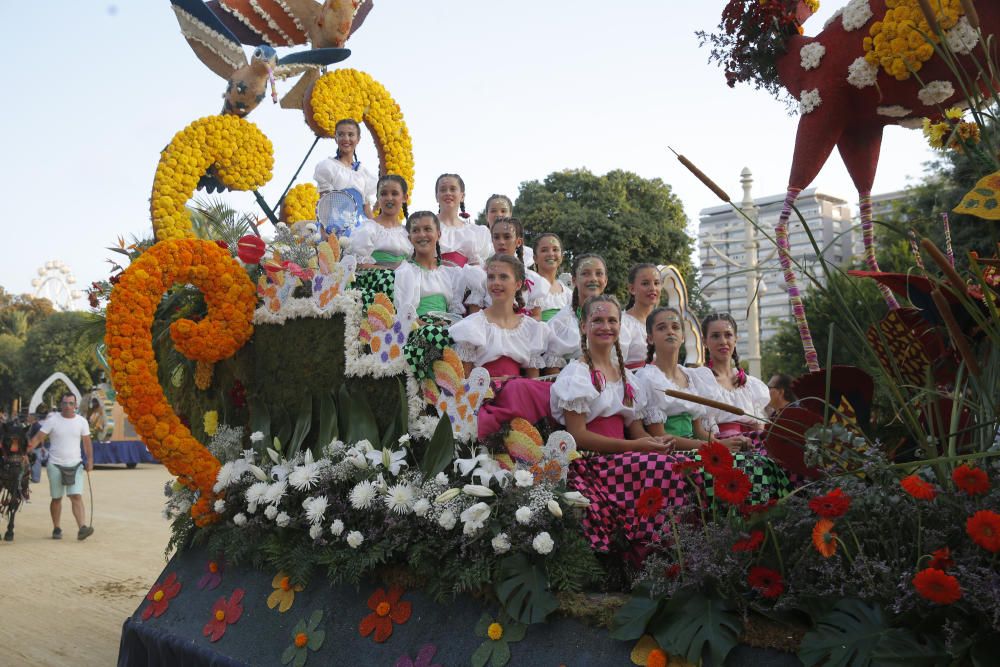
500 206
644 287
462 240
508 239
424 283
548 249
344 170
384 241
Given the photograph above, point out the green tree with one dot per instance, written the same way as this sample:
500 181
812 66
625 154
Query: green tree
624 218
10 360
58 344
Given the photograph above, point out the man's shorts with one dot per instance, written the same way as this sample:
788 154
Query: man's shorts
57 488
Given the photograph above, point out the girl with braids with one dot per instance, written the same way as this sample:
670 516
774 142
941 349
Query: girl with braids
548 249
644 288
382 244
500 206
508 239
344 171
462 241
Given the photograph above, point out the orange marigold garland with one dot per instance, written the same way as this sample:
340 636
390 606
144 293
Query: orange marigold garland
230 298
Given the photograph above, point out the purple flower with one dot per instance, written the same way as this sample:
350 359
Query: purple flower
397 327
466 387
385 357
212 577
424 657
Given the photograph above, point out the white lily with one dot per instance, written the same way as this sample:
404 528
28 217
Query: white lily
388 459
489 470
576 499
477 490
447 496
466 466
554 509
275 456
258 473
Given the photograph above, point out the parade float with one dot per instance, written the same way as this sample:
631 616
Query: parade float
332 503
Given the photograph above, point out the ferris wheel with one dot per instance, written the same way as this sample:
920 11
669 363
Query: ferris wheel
55 282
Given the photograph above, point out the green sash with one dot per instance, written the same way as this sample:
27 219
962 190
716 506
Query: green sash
383 257
432 302
549 314
679 425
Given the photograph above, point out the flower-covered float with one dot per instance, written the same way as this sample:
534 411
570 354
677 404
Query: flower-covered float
332 503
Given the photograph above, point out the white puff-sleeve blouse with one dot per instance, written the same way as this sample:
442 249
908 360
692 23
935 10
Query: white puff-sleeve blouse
332 174
752 398
414 282
372 236
659 407
535 288
471 240
478 341
564 338
634 332
574 391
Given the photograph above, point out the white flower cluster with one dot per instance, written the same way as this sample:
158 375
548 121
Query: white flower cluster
856 14
226 444
962 38
936 92
811 55
862 73
894 111
809 101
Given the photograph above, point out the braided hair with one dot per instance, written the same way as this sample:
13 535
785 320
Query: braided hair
633 273
518 267
741 376
651 322
502 198
357 127
518 233
399 180
628 393
413 218
577 263
461 186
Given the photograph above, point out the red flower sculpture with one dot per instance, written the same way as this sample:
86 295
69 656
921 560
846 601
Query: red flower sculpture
716 457
751 543
731 485
387 609
831 506
918 488
971 480
650 502
984 529
224 614
937 586
250 248
160 595
766 581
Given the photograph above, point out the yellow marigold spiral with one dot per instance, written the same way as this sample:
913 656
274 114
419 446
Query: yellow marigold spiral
230 297
898 41
348 93
234 149
300 203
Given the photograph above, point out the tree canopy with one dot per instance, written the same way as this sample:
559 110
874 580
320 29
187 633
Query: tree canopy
621 216
57 344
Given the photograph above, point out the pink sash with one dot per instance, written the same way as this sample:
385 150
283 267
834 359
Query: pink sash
729 429
635 364
503 366
456 258
609 427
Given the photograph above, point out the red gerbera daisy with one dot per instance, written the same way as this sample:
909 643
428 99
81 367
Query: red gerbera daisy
766 581
731 485
831 506
971 480
941 559
672 572
650 502
984 529
937 586
715 456
918 488
687 466
751 543
749 510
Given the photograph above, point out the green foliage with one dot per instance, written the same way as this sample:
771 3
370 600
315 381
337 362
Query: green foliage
11 349
54 344
693 624
441 450
357 418
523 590
848 636
623 217
634 617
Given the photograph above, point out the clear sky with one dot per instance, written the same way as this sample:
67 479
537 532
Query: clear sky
499 92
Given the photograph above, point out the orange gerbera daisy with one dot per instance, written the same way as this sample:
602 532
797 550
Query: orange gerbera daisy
918 488
937 586
984 529
824 539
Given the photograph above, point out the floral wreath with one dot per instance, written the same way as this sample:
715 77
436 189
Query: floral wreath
230 298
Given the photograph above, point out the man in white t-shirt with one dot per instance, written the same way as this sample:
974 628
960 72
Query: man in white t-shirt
66 430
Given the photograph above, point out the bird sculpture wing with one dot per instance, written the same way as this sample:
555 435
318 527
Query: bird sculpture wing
214 44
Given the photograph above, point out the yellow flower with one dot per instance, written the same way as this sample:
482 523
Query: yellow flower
495 631
300 203
283 595
899 42
211 422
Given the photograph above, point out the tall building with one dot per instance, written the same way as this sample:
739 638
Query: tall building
722 254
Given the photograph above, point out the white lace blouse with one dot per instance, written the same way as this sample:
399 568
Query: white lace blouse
574 391
414 282
752 398
478 341
564 338
535 288
635 351
471 240
553 299
332 174
372 236
659 407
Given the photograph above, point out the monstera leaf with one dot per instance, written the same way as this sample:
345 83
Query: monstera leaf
848 636
900 647
693 623
523 590
632 619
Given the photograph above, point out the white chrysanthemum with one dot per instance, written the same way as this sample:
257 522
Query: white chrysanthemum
501 543
316 509
362 495
962 38
275 492
856 14
304 477
809 101
811 55
524 478
256 436
240 519
255 493
271 511
936 92
224 477
523 515
337 527
404 439
447 520
475 517
399 498
354 539
219 506
543 543
894 111
441 479
282 519
862 73
421 507
315 531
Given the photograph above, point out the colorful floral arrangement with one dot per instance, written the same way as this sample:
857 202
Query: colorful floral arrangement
300 203
229 148
904 40
229 296
349 93
952 132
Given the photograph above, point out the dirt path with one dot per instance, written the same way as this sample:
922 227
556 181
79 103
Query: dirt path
63 603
